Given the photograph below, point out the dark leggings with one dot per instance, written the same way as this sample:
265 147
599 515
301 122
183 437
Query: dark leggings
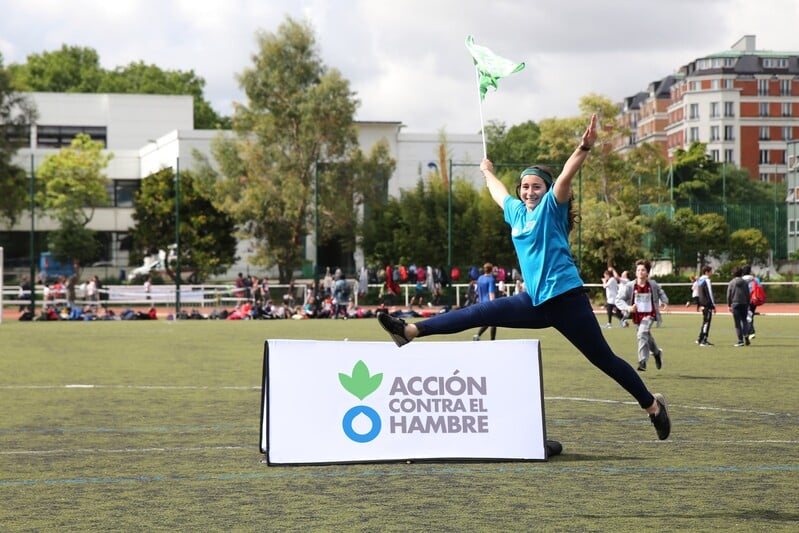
570 313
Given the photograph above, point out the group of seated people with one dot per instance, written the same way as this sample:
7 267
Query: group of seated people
84 313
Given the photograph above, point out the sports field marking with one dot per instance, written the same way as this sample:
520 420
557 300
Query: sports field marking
404 470
258 388
134 387
695 407
124 450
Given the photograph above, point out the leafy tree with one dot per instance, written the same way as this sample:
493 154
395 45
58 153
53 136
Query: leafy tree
749 245
697 178
609 238
139 78
72 69
691 237
72 186
207 239
77 69
16 112
297 114
517 144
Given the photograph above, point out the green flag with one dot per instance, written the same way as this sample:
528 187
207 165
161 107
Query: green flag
490 66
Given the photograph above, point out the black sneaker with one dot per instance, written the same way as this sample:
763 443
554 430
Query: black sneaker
395 328
553 447
658 359
661 420
747 342
642 367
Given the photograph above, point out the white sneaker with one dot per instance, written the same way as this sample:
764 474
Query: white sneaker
476 338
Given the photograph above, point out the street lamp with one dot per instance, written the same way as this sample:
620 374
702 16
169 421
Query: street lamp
177 237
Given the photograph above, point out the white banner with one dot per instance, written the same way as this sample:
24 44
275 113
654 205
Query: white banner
339 401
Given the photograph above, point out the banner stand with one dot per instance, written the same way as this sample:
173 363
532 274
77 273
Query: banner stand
338 402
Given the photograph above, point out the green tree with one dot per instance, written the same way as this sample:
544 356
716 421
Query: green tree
71 186
139 78
71 69
518 144
74 69
207 236
16 114
690 237
750 246
298 113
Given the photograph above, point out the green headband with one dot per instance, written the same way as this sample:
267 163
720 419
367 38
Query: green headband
535 171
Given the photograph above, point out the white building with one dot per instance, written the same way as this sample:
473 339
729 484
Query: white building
146 133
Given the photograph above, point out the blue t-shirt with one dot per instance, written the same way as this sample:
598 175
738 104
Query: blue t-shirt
485 287
541 239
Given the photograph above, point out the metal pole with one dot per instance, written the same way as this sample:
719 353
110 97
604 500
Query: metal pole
177 237
316 228
33 239
449 218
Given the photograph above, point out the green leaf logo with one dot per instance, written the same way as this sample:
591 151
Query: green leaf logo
360 384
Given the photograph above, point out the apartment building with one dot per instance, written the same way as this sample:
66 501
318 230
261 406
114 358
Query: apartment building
743 103
792 199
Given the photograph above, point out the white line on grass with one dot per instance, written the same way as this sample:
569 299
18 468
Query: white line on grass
696 407
137 387
258 388
123 450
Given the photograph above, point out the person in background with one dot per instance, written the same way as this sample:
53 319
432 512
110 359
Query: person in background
643 300
540 219
708 303
610 282
486 291
738 301
756 299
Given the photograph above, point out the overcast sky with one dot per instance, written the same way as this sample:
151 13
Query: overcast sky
406 59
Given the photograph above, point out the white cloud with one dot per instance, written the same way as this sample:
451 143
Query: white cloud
406 59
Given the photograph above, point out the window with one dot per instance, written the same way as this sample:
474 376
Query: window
787 133
728 84
714 84
775 62
764 134
786 109
693 111
714 109
714 155
792 227
60 136
764 160
729 157
785 87
714 133
729 133
764 177
729 109
693 135
18 135
762 87
123 192
763 109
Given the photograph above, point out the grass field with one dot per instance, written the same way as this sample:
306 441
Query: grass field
142 426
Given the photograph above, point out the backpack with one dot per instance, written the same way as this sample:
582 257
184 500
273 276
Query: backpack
757 296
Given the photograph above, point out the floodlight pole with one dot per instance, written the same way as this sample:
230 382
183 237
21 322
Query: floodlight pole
449 217
177 238
32 281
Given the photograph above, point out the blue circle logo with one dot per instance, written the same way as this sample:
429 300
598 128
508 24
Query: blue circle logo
371 414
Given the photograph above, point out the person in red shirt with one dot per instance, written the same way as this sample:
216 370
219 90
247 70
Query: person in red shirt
642 300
